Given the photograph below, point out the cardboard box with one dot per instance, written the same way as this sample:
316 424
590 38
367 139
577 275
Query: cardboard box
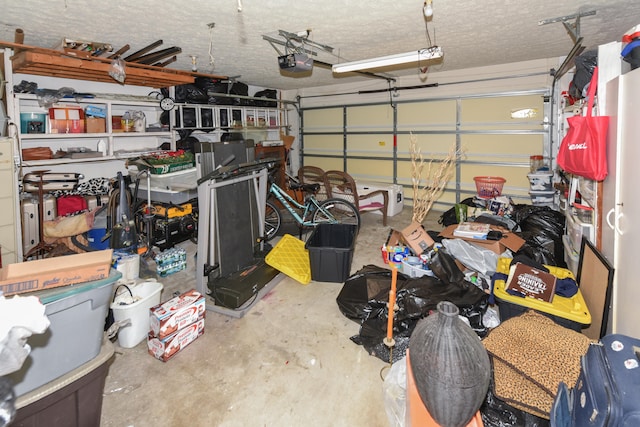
54 272
416 237
394 249
164 349
96 125
170 316
66 119
510 240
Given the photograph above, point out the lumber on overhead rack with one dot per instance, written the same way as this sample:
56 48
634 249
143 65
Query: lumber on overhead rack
48 62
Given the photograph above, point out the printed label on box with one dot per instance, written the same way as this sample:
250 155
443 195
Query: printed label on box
170 316
165 348
531 282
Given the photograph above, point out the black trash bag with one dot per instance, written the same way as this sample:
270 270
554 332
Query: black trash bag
191 94
365 295
496 413
542 229
448 217
266 93
585 64
214 88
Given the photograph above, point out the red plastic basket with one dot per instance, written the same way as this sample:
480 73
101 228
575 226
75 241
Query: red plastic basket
489 186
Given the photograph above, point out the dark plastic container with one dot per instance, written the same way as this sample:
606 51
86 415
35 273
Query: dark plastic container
75 399
508 310
331 252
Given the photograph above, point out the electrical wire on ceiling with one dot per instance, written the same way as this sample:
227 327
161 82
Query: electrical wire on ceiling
427 10
212 61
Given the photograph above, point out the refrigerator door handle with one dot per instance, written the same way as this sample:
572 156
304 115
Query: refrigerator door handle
609 223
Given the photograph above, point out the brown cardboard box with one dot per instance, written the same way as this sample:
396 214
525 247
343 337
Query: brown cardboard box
95 125
416 237
170 316
53 272
164 349
510 240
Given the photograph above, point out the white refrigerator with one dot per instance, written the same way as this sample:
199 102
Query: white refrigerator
621 201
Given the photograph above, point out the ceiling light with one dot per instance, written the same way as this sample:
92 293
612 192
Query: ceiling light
433 52
428 8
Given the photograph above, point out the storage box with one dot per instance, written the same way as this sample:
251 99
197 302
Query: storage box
414 268
166 318
540 181
54 272
77 314
542 198
96 125
165 348
331 251
394 191
416 237
571 313
33 122
571 257
66 120
509 240
74 399
576 229
170 167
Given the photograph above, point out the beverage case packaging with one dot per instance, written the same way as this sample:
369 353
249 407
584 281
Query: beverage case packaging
170 316
167 347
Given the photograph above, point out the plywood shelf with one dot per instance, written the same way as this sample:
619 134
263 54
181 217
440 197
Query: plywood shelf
53 63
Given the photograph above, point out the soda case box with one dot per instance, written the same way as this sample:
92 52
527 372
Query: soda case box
168 317
167 347
50 273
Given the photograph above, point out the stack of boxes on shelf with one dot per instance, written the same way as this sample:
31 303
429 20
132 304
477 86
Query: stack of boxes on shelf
175 324
541 183
579 214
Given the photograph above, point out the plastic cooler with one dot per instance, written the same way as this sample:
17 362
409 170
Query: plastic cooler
77 315
571 313
331 251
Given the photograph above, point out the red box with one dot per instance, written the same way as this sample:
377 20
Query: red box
165 348
168 317
66 120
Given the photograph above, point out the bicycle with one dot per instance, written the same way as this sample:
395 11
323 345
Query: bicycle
308 214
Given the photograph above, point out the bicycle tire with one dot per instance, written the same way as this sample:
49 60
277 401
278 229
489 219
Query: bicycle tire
337 211
272 221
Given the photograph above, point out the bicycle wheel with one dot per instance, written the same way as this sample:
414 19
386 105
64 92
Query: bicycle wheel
272 221
337 211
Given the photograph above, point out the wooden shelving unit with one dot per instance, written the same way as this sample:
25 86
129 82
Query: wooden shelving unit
53 63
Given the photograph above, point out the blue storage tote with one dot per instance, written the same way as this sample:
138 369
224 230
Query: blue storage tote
331 251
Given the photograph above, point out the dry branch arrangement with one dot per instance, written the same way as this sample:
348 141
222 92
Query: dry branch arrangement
429 178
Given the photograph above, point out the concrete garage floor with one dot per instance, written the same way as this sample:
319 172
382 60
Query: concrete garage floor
288 362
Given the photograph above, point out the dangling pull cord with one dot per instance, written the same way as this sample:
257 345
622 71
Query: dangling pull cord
391 311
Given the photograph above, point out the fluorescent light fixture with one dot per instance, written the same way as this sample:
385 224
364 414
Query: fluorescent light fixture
427 54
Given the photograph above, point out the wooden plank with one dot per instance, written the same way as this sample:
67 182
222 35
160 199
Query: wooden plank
48 62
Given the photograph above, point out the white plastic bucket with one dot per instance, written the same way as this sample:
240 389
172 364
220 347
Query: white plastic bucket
145 295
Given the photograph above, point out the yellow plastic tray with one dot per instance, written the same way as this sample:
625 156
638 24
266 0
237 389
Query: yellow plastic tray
292 258
574 308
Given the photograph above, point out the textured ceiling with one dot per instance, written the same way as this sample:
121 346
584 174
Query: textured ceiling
472 33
